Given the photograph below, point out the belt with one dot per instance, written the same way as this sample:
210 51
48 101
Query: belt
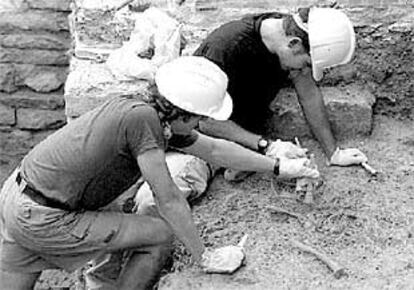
38 197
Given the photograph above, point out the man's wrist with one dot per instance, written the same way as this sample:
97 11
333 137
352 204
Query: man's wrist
276 167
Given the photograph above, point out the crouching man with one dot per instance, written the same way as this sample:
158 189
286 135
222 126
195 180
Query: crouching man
51 213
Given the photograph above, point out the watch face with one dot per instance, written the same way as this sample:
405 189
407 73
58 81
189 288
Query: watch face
263 143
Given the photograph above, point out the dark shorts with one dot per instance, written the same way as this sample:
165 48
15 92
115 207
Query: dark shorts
34 237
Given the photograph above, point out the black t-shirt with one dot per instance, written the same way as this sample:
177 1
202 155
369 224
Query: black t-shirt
255 75
93 159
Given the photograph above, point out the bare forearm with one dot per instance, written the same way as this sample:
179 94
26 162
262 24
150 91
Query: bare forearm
171 204
229 130
229 154
178 215
311 100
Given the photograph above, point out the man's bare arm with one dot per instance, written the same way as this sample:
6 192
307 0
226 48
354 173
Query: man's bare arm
170 202
229 130
311 100
229 154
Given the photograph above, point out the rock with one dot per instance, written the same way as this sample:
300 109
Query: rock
33 20
41 78
30 99
344 74
96 4
7 78
110 4
89 84
58 5
100 28
7 116
11 5
44 40
35 119
403 25
203 5
349 111
18 142
45 81
33 56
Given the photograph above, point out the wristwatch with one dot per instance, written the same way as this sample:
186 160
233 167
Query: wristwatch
276 168
262 145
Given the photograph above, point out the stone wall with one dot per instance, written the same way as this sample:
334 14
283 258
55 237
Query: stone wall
34 44
378 74
35 38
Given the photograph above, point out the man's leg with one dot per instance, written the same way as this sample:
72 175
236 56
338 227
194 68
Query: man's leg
17 281
143 268
13 258
191 175
146 239
149 240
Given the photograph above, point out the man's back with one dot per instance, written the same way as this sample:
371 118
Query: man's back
254 73
92 160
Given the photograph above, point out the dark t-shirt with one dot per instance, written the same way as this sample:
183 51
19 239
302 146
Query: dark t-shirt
92 160
255 74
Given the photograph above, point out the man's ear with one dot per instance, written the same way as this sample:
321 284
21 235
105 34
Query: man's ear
295 44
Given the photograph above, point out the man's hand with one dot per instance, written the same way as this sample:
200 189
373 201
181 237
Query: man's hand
295 168
284 149
346 157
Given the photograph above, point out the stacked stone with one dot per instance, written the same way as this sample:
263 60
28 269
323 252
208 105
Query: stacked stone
34 44
90 82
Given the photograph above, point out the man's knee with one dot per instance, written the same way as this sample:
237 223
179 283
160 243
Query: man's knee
17 281
166 236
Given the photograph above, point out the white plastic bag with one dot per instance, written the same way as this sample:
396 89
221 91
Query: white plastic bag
154 41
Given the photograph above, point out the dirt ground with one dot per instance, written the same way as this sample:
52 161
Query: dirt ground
365 223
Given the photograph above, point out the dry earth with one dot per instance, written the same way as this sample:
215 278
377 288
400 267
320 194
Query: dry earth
366 223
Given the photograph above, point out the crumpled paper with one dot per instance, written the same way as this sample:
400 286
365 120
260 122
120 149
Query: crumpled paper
154 41
225 260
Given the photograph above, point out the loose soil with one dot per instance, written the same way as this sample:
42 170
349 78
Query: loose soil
365 223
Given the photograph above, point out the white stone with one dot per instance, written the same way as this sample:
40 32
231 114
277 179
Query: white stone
10 5
89 84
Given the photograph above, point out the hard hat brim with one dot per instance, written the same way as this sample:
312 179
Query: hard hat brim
225 111
317 72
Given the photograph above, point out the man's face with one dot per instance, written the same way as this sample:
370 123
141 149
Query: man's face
183 126
293 55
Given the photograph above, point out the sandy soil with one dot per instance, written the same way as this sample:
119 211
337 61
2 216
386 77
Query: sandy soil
363 222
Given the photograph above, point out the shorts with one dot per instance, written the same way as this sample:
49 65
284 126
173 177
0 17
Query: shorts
34 238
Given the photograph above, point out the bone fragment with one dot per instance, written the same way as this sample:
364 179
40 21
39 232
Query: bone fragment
337 269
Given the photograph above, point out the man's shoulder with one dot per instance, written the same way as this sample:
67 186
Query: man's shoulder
137 109
128 103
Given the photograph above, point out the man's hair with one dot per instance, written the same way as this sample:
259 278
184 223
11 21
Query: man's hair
292 29
168 111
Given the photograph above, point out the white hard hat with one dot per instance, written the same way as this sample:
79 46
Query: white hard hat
196 85
331 38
